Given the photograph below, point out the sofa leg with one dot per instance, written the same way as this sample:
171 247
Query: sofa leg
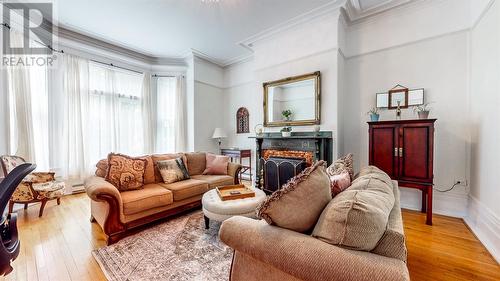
25 206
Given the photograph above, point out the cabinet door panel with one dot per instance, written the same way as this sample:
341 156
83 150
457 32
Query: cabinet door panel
415 163
382 145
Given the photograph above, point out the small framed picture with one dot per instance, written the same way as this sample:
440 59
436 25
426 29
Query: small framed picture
398 97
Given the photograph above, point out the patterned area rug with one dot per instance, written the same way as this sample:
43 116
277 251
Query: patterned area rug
179 249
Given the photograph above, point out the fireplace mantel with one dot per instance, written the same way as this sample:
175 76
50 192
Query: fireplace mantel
319 144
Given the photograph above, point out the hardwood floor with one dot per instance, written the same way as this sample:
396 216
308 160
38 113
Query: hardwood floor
57 247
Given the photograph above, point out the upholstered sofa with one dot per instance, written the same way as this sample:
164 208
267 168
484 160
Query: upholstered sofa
266 252
119 212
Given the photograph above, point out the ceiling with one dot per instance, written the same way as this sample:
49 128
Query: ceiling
173 28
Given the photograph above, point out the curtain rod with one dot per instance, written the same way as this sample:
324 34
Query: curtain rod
169 76
6 25
121 67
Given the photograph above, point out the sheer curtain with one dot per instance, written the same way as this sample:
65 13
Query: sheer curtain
148 114
115 113
170 102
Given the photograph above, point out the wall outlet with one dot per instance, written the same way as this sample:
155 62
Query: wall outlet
461 182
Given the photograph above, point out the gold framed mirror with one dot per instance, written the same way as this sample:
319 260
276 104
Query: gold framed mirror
293 101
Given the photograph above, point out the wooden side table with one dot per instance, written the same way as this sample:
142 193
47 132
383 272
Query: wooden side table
235 153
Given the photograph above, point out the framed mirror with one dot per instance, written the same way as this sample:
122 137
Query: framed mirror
293 101
415 97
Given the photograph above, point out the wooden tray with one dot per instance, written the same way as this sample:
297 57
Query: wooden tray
224 192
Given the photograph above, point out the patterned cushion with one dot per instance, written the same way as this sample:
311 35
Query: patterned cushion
173 170
102 168
339 183
160 157
299 203
125 172
50 190
23 193
40 177
11 161
342 164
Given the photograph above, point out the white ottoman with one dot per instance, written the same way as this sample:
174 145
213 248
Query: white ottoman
216 209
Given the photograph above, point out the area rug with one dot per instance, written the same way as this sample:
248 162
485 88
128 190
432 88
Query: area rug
179 249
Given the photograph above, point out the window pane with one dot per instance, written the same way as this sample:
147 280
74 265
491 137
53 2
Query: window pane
165 101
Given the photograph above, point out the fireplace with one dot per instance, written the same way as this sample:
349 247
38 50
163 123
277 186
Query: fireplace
281 158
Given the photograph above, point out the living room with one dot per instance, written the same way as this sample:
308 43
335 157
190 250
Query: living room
172 140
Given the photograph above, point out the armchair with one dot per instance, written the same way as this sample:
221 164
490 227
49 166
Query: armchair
36 187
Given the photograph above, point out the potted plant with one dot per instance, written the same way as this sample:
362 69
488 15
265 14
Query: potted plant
374 116
286 132
422 111
286 114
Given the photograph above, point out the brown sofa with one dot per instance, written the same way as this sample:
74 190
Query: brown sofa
265 252
119 212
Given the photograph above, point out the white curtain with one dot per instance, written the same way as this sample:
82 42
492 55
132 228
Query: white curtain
148 114
115 113
70 150
180 114
21 133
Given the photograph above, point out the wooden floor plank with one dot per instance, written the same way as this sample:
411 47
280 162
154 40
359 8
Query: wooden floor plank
58 246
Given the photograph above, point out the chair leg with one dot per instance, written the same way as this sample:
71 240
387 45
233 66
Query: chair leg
44 201
25 206
58 201
11 206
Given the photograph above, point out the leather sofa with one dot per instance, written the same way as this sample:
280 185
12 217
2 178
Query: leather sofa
119 212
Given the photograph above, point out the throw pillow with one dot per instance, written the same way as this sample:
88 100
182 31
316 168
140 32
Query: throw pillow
168 156
124 172
299 203
173 170
339 183
102 168
341 164
357 218
216 164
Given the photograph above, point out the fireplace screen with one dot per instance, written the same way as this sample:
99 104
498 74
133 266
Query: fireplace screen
279 170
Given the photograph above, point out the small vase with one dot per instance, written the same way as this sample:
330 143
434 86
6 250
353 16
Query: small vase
286 134
374 117
423 114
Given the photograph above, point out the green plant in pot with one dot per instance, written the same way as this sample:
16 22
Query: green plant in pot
422 111
374 116
287 114
286 132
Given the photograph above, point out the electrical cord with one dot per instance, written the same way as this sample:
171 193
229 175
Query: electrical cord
451 188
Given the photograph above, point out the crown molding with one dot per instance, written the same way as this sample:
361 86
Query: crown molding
330 7
355 10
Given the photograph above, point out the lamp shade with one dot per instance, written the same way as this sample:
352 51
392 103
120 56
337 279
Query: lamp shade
219 133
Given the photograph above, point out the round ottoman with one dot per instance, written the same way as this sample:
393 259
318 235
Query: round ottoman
216 209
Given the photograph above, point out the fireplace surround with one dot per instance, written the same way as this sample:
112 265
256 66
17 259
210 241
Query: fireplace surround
306 146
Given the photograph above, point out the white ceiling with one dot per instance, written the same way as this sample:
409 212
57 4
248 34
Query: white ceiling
172 28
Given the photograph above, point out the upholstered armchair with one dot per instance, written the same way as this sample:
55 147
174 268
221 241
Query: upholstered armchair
36 187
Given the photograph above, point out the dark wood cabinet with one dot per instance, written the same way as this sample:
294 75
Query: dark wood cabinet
404 149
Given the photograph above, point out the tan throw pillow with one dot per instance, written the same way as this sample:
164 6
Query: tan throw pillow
357 218
173 170
299 203
102 168
342 164
124 172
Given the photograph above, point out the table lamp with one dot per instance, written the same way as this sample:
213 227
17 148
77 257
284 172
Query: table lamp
219 134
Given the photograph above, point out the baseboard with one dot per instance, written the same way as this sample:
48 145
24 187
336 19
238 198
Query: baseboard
485 225
451 204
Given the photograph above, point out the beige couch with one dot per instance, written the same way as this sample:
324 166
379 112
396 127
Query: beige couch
265 252
118 212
